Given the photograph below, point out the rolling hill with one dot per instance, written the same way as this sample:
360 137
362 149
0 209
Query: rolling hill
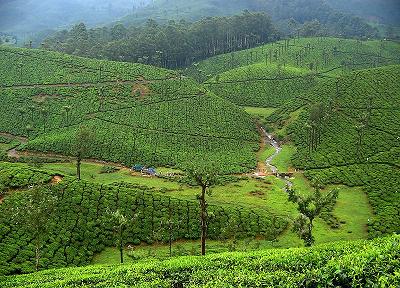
336 100
348 133
316 54
67 221
140 114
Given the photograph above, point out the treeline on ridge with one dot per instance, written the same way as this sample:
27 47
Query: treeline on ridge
171 45
178 44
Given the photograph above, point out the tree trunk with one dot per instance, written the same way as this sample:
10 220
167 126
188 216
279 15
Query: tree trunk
121 246
78 167
37 255
170 231
203 217
310 241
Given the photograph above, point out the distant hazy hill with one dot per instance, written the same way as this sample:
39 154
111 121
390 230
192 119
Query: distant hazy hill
298 10
18 16
384 11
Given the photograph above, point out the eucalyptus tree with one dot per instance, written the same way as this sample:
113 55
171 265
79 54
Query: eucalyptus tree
205 175
83 142
120 221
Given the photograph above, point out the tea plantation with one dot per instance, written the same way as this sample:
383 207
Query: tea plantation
317 54
334 102
141 114
75 219
349 133
342 264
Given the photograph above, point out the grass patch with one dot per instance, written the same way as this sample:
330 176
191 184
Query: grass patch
91 172
283 160
262 112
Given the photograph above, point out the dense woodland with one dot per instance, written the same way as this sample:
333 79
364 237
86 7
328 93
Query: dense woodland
170 45
180 43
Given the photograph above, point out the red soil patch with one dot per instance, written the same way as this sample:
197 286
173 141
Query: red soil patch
43 97
140 91
257 193
56 179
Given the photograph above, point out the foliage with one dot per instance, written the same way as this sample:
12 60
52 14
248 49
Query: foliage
172 45
79 223
204 175
341 264
108 169
13 177
322 54
260 85
310 207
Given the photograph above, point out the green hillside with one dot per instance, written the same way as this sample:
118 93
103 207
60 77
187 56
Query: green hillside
342 118
260 85
140 114
318 54
343 264
349 133
279 75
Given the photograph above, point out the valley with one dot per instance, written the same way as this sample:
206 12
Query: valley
282 159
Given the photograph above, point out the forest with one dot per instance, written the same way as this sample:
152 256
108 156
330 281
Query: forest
180 43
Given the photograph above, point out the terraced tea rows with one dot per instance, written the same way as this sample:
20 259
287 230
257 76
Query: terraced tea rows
137 119
320 54
351 136
75 220
340 264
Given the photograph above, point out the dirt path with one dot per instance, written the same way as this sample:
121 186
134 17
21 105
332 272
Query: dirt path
13 153
56 179
87 84
261 165
18 154
13 137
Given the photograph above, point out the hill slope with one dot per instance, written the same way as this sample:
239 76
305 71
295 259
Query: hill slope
345 116
337 265
348 133
277 73
317 54
140 114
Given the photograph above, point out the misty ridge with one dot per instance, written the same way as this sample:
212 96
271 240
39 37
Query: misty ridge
32 16
19 16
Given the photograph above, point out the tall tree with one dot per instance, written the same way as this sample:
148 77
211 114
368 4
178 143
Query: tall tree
83 142
120 224
310 207
314 125
204 175
36 213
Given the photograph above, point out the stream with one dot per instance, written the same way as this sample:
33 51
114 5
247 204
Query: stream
270 140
